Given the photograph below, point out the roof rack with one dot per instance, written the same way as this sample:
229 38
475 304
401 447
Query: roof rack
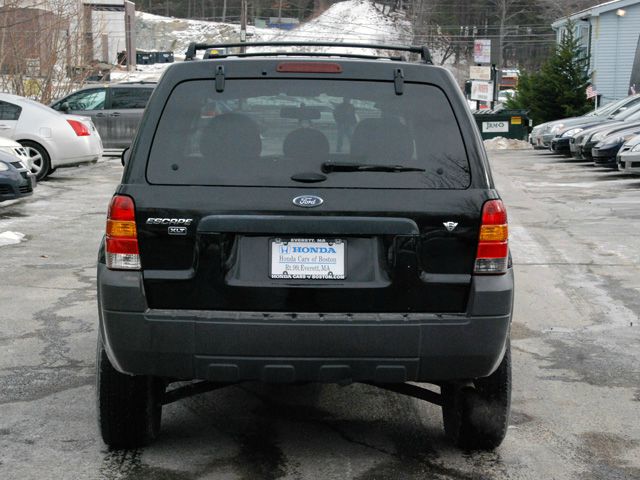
425 55
137 82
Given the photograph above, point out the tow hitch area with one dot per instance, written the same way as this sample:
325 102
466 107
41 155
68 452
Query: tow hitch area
409 389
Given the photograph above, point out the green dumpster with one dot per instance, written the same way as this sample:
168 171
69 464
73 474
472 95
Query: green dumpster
503 123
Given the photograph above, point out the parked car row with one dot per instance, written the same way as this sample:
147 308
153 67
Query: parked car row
50 139
629 157
608 137
36 139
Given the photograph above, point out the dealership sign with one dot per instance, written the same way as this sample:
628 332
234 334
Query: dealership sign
479 73
481 91
482 50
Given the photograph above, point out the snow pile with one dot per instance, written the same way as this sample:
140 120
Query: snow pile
158 33
501 143
352 21
10 238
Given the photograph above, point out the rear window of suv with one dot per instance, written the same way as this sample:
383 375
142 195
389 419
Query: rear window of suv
263 132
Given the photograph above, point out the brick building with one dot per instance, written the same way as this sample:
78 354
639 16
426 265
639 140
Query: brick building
26 38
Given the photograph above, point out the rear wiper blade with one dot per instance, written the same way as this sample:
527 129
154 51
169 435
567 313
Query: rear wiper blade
328 167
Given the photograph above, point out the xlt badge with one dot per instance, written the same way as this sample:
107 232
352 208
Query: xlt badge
177 230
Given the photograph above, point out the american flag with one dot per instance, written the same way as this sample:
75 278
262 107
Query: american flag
591 92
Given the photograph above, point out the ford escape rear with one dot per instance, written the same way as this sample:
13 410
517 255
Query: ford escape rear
254 237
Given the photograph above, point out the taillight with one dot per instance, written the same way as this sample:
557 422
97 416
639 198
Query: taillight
493 244
122 237
80 128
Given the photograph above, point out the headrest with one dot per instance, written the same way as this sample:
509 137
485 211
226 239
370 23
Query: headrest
382 140
306 143
233 135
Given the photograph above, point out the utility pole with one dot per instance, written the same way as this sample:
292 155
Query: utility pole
243 24
130 34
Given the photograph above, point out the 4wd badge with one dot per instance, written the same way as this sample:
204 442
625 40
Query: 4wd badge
450 226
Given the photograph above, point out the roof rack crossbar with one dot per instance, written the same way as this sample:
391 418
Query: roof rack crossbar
422 50
310 54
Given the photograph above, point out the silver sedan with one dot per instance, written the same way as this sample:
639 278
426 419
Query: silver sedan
629 157
52 140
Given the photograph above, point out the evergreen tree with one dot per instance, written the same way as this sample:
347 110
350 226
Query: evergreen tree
558 90
525 94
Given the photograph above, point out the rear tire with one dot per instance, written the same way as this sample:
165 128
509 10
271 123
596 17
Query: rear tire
129 406
476 418
39 160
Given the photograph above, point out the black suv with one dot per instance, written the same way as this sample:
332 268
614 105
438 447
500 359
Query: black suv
298 217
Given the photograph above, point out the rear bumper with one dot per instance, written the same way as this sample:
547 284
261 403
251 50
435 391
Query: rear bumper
76 161
226 346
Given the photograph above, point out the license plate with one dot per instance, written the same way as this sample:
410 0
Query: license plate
308 259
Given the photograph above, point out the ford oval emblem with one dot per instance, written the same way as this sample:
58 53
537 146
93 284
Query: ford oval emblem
307 201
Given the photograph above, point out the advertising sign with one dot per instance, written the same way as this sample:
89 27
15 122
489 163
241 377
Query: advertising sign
482 50
481 91
501 126
480 73
634 81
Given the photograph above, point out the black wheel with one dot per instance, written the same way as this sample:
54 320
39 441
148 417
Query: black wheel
39 160
129 407
476 418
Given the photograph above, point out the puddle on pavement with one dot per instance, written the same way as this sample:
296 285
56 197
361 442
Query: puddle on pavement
520 332
519 418
11 214
126 465
589 363
607 450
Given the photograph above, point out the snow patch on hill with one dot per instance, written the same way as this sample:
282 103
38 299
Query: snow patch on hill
155 32
351 21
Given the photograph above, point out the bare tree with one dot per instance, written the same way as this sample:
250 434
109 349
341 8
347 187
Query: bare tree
505 11
41 49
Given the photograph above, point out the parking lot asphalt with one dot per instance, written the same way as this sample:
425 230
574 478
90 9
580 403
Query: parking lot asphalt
575 237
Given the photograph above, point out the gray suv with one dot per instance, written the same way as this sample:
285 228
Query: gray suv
116 110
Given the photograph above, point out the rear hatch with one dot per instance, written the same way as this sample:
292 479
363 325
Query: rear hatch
308 195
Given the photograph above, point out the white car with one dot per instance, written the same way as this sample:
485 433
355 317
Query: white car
629 157
51 139
14 148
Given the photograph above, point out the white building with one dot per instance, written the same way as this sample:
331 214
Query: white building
109 26
610 34
106 27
